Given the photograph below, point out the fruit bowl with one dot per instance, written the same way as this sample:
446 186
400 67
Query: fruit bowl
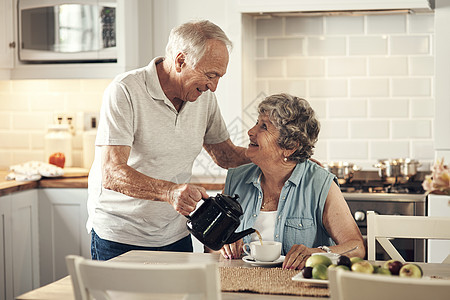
317 282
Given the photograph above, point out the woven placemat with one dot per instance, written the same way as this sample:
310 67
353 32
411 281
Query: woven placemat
267 281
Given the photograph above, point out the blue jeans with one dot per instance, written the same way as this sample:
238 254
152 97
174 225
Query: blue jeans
103 249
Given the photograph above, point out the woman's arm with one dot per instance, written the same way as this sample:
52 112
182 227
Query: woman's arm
340 225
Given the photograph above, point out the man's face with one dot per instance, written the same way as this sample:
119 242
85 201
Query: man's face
206 74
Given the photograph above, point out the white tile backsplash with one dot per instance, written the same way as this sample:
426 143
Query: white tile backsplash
305 67
285 47
408 45
369 87
27 107
388 66
414 87
326 46
385 24
367 45
369 79
304 26
344 25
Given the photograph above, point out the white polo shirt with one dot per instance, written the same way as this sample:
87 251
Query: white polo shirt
164 144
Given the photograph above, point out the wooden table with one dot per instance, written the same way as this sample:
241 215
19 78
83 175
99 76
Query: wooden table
62 289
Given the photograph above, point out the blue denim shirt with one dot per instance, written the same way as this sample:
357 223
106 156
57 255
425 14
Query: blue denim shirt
300 207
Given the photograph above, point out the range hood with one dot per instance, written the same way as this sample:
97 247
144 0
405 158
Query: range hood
316 6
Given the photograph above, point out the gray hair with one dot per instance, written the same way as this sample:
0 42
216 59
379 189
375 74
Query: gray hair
190 38
296 120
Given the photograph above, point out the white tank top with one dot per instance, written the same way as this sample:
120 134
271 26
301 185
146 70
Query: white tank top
265 224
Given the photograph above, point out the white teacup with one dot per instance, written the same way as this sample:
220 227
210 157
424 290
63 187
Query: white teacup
268 251
333 256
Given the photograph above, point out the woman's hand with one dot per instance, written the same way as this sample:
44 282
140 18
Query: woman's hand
233 250
297 256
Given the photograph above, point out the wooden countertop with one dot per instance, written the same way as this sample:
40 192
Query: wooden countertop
77 178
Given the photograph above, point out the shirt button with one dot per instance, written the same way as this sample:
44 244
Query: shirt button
254 215
284 198
276 236
300 225
259 197
279 217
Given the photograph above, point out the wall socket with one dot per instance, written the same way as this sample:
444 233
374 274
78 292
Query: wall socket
65 118
90 120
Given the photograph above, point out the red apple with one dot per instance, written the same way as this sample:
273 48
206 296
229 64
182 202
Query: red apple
393 266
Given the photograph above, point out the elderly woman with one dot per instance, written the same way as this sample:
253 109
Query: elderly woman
284 195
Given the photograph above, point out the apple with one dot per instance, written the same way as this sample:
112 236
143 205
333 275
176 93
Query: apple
382 270
344 261
315 260
320 272
346 268
355 259
394 266
307 272
362 267
410 270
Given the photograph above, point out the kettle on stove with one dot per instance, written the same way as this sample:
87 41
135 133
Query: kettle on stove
213 223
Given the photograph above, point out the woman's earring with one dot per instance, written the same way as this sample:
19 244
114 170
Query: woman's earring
285 159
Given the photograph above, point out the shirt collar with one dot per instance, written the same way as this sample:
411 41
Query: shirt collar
295 177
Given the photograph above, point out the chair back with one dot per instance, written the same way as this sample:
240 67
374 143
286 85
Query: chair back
347 285
106 280
382 227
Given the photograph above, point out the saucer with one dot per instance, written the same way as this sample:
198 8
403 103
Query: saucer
250 260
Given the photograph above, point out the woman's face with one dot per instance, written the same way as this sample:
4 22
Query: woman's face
263 146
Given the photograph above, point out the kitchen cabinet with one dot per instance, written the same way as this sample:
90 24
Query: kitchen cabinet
62 220
331 5
6 35
19 250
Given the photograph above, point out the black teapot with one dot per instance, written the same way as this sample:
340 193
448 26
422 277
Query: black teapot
213 223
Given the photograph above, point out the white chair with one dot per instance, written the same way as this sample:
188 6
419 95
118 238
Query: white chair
346 285
106 280
382 227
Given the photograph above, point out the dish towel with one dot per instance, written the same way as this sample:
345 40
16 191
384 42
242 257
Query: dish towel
33 171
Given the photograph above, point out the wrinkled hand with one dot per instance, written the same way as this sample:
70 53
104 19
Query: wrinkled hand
297 256
184 197
233 250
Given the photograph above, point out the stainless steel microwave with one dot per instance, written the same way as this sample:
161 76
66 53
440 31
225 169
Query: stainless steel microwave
65 31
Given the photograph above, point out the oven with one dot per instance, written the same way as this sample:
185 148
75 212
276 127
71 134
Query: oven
366 191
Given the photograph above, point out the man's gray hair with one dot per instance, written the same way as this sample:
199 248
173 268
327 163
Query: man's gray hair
191 37
297 122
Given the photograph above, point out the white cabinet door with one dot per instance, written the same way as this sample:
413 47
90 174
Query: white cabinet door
25 241
62 220
6 34
6 283
438 206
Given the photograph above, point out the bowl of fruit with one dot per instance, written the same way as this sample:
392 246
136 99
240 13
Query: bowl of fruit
317 266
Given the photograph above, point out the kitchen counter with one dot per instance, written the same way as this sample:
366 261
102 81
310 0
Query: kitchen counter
77 178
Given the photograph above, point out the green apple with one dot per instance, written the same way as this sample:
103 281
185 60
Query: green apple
314 260
355 259
343 267
410 270
332 266
362 267
382 270
320 272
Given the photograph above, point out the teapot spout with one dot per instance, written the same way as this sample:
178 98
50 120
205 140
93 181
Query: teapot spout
239 235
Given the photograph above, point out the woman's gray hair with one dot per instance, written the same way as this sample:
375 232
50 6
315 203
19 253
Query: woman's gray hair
296 120
190 38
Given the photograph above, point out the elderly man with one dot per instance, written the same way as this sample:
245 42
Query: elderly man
153 124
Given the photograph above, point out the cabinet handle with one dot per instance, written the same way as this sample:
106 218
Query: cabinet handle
12 45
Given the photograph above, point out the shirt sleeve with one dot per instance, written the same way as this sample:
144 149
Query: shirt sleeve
216 130
116 117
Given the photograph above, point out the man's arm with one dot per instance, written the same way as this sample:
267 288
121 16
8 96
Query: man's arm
226 154
119 177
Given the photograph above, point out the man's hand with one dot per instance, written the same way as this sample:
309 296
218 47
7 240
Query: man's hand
184 197
233 250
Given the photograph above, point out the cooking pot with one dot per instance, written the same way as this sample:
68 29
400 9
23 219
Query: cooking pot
214 221
343 170
397 168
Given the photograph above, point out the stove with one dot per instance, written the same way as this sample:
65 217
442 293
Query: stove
368 191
